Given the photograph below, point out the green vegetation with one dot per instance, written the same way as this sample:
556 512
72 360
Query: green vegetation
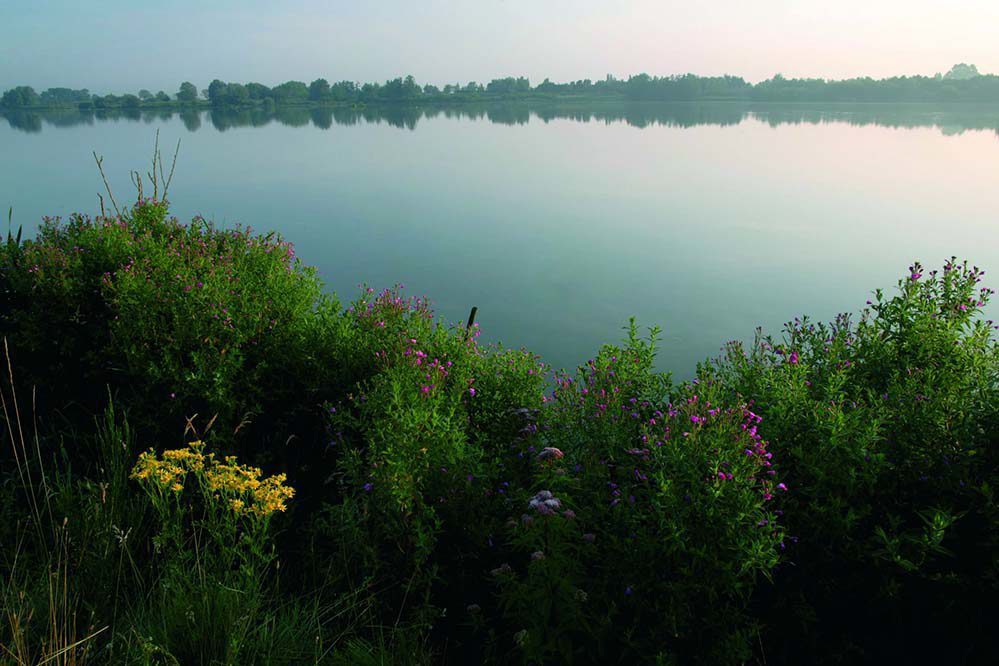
962 83
208 459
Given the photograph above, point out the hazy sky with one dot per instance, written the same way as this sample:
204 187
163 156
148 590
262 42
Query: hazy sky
124 45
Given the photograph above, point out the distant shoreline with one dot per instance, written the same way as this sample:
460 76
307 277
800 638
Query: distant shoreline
962 84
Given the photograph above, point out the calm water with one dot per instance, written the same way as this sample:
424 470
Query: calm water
559 223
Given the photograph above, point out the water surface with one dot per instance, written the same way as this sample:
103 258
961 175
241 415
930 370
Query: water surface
561 222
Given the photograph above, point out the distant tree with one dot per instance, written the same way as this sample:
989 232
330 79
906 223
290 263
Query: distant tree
130 101
187 93
546 86
962 72
63 97
345 91
319 90
257 91
235 94
162 97
290 91
20 97
410 88
431 90
509 85
216 92
145 95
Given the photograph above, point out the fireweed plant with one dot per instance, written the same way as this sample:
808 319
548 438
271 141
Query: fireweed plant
460 501
885 428
178 318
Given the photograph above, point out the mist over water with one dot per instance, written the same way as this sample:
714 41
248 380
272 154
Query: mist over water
561 221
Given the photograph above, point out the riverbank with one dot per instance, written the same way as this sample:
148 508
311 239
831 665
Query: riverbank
399 490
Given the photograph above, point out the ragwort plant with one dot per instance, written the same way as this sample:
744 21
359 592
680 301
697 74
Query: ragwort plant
214 548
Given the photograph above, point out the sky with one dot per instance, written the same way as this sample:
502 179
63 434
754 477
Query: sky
125 45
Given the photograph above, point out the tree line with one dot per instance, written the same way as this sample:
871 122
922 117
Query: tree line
962 83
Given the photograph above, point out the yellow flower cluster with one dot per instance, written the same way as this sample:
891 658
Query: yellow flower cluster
244 492
164 474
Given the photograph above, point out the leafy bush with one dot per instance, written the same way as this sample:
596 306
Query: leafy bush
182 319
649 547
885 429
650 523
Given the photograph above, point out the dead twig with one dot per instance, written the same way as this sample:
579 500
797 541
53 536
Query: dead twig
100 167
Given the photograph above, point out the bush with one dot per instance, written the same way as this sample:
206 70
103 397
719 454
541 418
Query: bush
657 529
179 319
885 429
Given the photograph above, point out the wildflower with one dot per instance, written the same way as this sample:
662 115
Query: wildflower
473 609
545 503
550 453
537 555
580 596
589 537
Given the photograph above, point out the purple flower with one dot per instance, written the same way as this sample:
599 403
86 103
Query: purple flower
368 486
545 503
589 537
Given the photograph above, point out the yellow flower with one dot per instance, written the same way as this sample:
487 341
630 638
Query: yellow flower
239 485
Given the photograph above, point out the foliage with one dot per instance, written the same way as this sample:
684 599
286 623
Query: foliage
962 83
182 319
885 430
464 502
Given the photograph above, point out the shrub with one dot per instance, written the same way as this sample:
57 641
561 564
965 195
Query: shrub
657 528
179 319
650 523
885 429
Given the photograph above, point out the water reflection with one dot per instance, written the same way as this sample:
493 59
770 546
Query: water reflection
949 119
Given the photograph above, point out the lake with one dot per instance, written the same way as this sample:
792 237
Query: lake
562 221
